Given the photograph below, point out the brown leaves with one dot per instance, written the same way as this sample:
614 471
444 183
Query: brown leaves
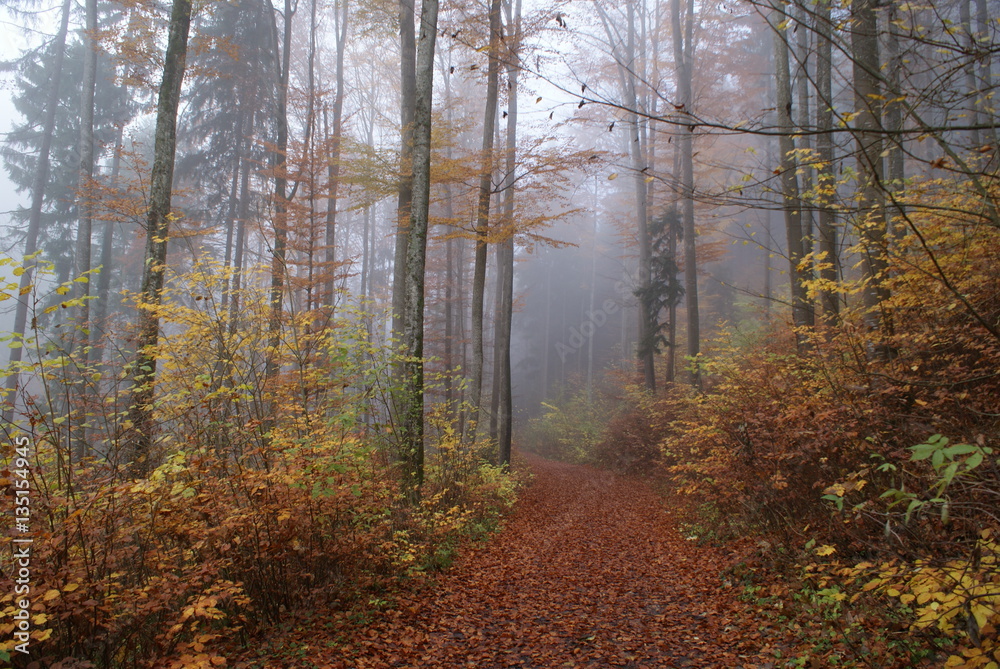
589 572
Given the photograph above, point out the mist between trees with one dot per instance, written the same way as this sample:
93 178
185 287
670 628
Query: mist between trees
337 252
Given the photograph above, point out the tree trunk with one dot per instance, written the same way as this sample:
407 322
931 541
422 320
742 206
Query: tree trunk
969 68
279 161
505 263
985 58
683 61
646 319
98 328
803 122
416 256
829 257
38 183
802 311
407 100
157 232
333 168
483 212
871 208
84 209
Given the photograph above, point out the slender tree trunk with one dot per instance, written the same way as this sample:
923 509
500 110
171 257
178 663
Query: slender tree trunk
506 259
234 192
407 98
987 87
84 197
98 330
683 61
637 150
802 311
803 121
483 210
84 210
333 169
829 257
243 212
871 208
969 68
279 163
157 233
38 183
416 256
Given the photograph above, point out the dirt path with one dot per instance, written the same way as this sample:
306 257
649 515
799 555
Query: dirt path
589 572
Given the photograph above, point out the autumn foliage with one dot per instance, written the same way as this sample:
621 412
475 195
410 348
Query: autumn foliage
263 498
866 466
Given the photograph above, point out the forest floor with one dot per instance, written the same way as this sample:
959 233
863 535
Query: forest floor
590 570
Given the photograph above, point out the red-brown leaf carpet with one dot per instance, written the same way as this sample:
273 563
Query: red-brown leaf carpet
589 571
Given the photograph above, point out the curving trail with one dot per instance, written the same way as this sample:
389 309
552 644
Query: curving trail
590 571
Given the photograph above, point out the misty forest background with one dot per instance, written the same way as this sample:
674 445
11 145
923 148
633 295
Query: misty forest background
290 278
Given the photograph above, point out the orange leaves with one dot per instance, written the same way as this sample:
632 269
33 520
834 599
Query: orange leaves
589 572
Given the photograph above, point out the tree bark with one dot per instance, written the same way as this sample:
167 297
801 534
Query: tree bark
868 136
157 233
829 256
802 310
483 211
84 208
416 256
407 100
683 62
505 263
279 161
333 168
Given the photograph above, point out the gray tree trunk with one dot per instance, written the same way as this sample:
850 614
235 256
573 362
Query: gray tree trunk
802 310
829 268
416 256
143 427
84 210
683 62
279 158
506 258
483 213
333 168
407 100
868 136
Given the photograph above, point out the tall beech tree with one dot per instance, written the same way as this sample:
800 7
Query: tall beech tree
791 205
683 42
506 257
483 210
404 198
142 429
871 216
416 252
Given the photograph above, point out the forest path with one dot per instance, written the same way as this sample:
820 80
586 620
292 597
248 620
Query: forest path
589 571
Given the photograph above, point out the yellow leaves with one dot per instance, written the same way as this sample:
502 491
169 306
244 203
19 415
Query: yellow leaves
204 607
825 550
50 595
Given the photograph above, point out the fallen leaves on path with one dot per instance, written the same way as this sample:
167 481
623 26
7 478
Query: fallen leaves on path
590 571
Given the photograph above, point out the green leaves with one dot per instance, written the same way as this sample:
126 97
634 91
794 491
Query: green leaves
950 462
